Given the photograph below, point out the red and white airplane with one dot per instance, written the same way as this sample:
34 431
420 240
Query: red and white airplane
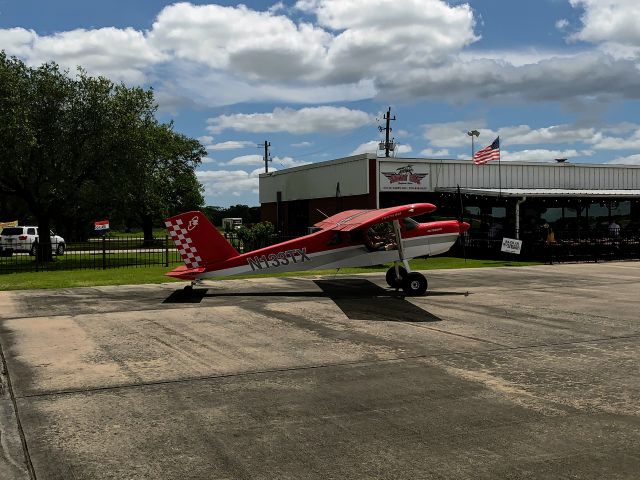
342 240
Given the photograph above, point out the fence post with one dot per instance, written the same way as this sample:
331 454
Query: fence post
166 250
104 252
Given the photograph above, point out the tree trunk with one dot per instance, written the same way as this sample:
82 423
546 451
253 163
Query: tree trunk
147 229
43 251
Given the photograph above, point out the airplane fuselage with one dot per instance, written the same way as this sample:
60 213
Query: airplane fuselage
328 249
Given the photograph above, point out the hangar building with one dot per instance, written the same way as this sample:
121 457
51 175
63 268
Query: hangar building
499 199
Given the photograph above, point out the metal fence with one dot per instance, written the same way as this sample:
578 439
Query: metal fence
121 252
570 247
98 254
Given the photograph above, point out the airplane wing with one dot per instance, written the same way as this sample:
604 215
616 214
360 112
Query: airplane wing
360 219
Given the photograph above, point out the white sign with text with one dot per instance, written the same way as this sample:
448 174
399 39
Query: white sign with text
511 245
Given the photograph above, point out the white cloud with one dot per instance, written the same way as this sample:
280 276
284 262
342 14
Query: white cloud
221 183
303 121
120 54
454 134
630 160
411 32
541 155
430 152
368 147
582 75
288 162
302 144
343 50
246 160
630 142
276 7
207 160
258 45
562 24
372 147
403 148
525 135
17 41
609 21
206 139
231 145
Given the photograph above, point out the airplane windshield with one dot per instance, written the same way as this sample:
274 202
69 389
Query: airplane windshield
410 223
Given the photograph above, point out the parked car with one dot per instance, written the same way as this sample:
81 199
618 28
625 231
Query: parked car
25 239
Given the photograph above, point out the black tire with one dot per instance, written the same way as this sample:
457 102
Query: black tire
60 249
392 281
33 251
414 284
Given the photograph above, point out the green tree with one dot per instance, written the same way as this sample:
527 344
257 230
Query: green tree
160 179
85 148
50 127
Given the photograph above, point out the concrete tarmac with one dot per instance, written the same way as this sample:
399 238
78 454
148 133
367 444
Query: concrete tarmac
519 373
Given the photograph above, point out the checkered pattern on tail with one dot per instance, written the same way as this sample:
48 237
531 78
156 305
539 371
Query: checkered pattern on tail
181 238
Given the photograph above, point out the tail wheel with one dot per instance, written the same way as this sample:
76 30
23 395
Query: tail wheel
414 284
391 278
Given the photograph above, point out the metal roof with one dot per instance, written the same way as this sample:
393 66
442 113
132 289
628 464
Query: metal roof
542 192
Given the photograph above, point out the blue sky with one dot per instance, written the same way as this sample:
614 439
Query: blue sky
553 78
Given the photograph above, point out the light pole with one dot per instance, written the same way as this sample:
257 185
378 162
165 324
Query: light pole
473 133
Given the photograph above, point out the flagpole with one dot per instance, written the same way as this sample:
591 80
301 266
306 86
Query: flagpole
499 172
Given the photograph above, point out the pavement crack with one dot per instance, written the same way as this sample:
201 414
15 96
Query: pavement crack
6 380
320 366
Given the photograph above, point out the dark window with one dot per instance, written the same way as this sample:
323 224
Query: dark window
31 231
335 239
12 231
410 224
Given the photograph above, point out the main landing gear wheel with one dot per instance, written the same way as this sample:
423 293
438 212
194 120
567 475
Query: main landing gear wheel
391 278
414 284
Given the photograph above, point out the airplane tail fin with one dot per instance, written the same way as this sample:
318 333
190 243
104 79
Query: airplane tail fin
197 240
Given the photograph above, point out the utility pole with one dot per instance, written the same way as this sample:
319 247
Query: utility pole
388 145
266 155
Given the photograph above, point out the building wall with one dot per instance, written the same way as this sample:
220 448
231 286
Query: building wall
317 180
449 174
305 190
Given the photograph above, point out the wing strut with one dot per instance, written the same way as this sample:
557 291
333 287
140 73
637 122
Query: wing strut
396 229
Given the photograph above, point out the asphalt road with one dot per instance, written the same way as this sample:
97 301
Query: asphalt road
513 373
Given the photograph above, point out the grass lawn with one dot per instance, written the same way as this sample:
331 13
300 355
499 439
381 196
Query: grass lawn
139 275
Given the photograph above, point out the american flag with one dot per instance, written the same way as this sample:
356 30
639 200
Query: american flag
492 152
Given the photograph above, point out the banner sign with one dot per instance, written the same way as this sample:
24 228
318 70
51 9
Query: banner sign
102 226
9 224
511 245
404 177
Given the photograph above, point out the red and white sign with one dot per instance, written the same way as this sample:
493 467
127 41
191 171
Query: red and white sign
404 177
101 226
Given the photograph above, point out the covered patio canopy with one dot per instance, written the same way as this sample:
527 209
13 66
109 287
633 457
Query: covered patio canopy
542 192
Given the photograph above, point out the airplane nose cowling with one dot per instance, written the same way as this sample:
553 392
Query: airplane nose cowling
463 226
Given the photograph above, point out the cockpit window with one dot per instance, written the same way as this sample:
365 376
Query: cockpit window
410 224
335 239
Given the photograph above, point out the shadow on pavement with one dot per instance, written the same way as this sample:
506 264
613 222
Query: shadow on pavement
359 299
